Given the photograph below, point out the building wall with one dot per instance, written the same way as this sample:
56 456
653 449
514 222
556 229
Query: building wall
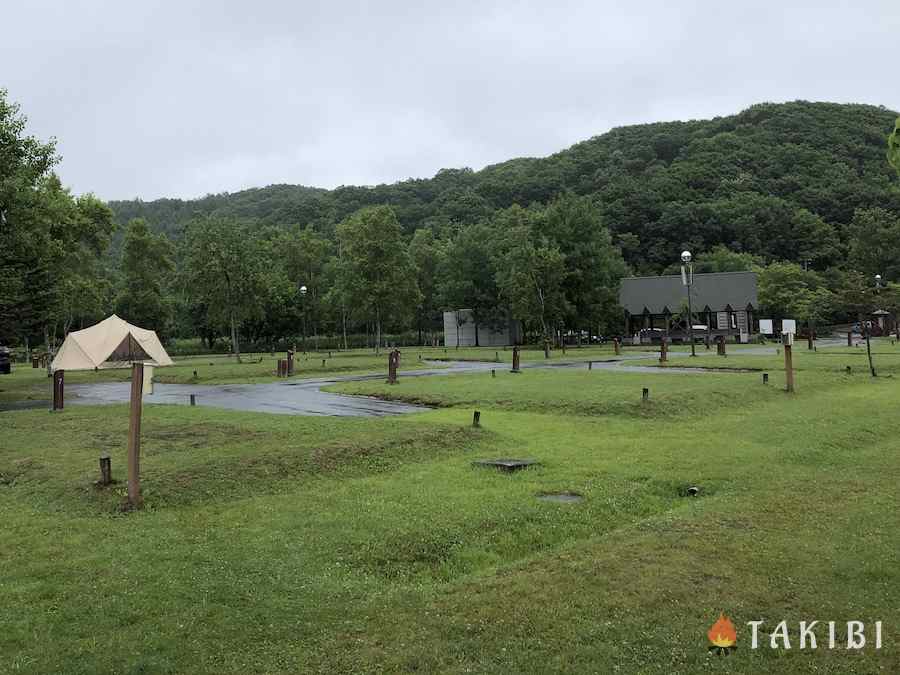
462 333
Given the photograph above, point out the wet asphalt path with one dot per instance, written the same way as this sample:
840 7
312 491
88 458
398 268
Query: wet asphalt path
305 397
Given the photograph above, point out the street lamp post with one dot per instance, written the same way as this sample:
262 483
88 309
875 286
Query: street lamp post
303 311
687 277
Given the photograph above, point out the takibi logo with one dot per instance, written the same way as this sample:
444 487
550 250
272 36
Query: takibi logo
722 635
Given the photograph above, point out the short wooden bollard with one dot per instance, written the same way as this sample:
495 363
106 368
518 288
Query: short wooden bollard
663 351
59 397
493 373
546 349
476 418
105 470
290 363
278 368
645 394
193 399
720 345
134 436
497 357
323 363
617 347
590 365
849 370
849 338
765 378
515 360
195 374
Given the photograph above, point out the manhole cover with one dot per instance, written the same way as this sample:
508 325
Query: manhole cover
506 464
560 497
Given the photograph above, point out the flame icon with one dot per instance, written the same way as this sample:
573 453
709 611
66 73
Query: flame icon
722 633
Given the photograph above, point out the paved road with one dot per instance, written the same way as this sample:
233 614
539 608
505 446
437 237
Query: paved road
305 397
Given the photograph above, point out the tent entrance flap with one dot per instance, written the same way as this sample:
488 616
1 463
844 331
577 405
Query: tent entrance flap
129 349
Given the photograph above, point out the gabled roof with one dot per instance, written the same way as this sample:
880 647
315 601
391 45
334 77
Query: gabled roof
717 290
112 343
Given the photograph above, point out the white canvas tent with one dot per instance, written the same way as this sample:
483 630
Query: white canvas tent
112 343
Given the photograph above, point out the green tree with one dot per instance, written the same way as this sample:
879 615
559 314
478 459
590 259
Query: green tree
50 242
468 276
894 147
224 264
573 226
875 242
376 272
426 255
145 266
787 291
531 280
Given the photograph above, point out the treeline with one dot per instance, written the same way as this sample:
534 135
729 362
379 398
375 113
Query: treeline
553 267
800 192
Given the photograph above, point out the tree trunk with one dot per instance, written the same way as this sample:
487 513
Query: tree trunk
476 331
344 325
235 347
377 332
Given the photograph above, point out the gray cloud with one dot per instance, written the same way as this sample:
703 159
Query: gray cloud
181 99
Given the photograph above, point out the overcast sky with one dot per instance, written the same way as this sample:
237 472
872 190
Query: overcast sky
183 98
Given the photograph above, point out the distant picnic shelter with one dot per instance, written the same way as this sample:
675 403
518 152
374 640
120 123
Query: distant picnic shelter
724 303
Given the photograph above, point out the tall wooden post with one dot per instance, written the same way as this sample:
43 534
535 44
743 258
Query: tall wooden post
663 351
134 436
515 360
59 389
290 363
617 347
789 363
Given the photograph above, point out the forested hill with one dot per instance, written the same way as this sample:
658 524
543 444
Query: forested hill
778 180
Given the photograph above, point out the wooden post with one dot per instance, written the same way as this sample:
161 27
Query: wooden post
493 373
515 360
645 394
476 419
720 345
59 389
849 370
590 365
193 399
393 358
617 347
850 336
546 348
497 357
134 436
290 363
195 374
663 351
105 470
765 378
789 367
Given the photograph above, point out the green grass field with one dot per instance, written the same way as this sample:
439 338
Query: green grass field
294 544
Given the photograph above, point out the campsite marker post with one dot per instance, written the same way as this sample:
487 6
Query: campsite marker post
134 436
788 342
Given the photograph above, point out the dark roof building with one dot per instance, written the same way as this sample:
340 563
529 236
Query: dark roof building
723 302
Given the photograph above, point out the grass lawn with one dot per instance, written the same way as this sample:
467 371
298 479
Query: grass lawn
297 544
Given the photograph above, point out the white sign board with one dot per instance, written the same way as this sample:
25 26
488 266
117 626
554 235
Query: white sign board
765 327
788 326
